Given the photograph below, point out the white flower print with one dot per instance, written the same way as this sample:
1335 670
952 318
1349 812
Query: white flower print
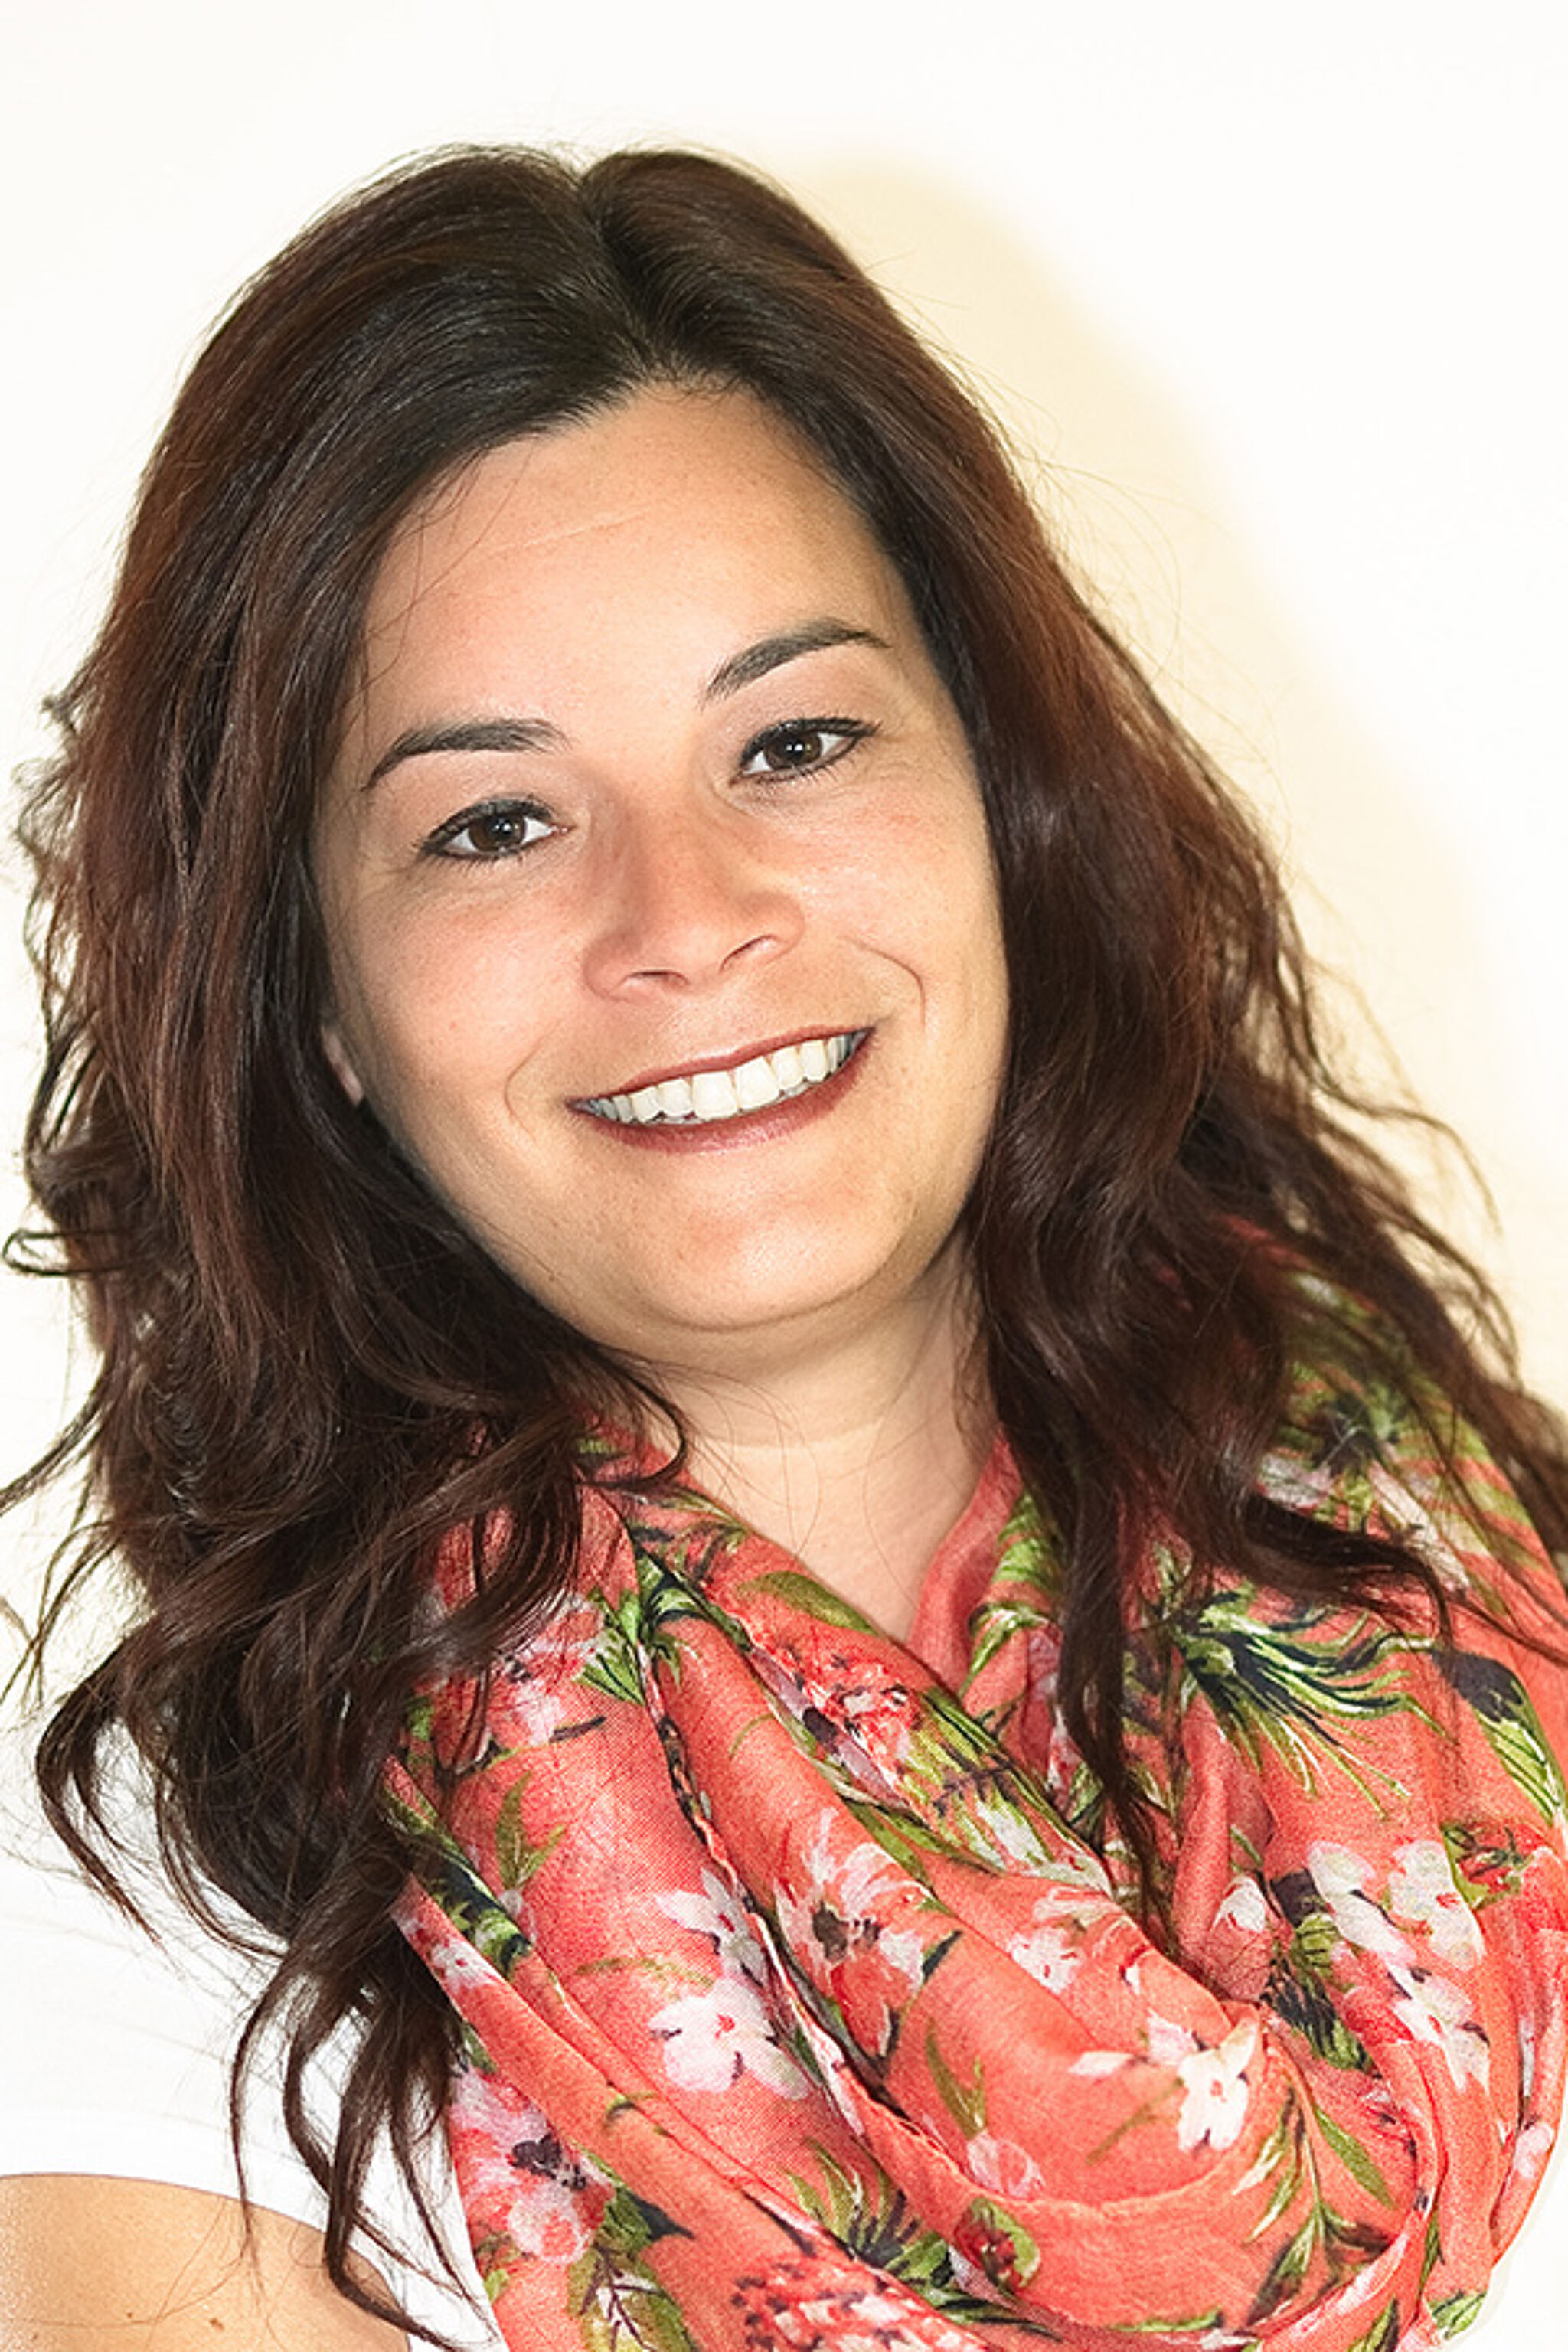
717 1914
1421 1889
1095 2064
1002 2167
1434 2010
538 1685
1531 2149
1527 2046
1047 1952
1013 1831
1342 1879
837 1912
1245 1906
1215 2082
711 2039
1168 2043
456 1966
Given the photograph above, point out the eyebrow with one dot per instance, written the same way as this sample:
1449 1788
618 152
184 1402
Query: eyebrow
468 735
754 662
740 670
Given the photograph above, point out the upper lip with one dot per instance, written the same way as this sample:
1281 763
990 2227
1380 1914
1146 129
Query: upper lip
730 1060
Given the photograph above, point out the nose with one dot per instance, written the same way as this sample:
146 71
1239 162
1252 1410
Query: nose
688 899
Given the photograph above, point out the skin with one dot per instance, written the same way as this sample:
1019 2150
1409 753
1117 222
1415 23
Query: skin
726 802
699 848
156 2269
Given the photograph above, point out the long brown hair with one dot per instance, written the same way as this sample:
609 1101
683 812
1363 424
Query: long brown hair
307 1368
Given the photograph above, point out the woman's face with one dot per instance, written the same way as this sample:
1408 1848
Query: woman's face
661 917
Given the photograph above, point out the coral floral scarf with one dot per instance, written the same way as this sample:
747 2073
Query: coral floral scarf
805 2007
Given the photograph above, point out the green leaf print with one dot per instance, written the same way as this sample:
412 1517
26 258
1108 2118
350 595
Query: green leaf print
1501 1704
1354 2157
1458 2312
1031 1553
799 1591
871 2219
1382 2335
516 1859
1201 2323
618 2302
616 1666
1298 1992
1280 1685
994 1624
446 1872
964 2102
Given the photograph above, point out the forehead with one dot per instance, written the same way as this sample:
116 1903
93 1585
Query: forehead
681 516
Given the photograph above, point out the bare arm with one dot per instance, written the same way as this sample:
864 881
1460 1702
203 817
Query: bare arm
106 2265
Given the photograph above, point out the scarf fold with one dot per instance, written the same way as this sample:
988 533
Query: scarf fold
806 2005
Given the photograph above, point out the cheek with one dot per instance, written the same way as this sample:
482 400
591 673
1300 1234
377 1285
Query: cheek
429 1005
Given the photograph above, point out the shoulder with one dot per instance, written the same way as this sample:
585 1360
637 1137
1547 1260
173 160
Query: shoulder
117 2040
82 2257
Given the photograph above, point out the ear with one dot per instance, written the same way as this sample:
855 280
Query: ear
338 1061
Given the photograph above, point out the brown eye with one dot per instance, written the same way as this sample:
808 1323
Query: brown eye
800 745
495 830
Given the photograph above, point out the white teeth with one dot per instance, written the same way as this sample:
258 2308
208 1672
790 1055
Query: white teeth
755 1085
713 1094
710 1095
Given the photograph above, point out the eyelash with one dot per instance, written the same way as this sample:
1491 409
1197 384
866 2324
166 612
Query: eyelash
847 732
519 813
844 733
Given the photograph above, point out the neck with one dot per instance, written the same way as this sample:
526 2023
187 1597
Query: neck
858 1459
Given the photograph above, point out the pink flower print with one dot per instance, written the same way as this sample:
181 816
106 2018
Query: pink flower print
1215 2087
1002 2167
1341 1878
1434 2010
880 1711
827 2302
517 2177
1094 2065
987 2243
711 2039
719 1913
535 1690
1528 2042
1047 1952
1244 1908
1167 2042
459 1969
854 1706
1421 1889
869 1968
1531 2150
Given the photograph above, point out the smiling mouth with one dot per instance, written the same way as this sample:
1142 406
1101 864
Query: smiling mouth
703 1098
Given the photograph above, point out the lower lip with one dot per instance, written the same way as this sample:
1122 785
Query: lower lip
747 1126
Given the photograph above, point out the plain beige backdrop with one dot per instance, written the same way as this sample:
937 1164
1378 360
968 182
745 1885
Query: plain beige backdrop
1271 299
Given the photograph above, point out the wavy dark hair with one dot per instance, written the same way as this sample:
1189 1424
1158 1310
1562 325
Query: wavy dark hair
309 1369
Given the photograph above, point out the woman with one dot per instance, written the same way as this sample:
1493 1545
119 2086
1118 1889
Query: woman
830 1562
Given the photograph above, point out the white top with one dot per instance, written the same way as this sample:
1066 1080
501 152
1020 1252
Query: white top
114 2056
115 2051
